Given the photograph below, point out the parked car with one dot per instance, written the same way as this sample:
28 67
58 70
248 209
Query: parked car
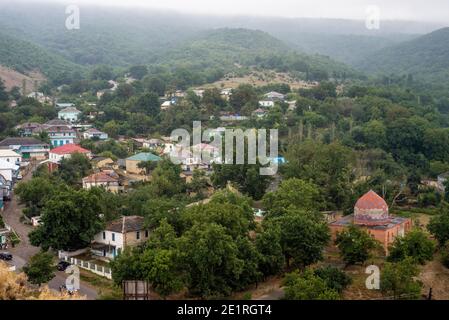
62 265
19 177
5 256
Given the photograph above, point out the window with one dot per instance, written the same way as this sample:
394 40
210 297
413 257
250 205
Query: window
146 234
113 237
138 235
104 235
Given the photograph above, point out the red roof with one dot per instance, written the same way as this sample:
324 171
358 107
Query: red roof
69 149
371 200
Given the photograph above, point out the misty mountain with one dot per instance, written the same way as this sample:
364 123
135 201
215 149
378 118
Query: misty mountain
425 58
129 36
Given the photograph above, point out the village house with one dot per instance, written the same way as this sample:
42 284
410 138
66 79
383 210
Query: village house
103 163
28 148
259 113
266 103
9 173
65 105
70 114
39 96
95 134
119 235
29 129
226 93
274 96
108 180
10 156
132 163
66 151
371 213
199 92
153 143
60 132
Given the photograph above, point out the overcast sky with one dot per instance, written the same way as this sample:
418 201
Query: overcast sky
420 10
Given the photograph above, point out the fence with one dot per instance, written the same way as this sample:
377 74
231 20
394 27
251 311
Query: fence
90 266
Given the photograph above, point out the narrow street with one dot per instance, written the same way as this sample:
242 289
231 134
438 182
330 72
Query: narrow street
24 251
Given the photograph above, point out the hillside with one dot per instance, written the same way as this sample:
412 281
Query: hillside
12 78
25 57
123 37
426 58
232 49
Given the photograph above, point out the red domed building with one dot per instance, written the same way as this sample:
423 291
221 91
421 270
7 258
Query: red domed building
371 213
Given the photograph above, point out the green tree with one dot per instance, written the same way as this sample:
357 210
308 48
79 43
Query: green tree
292 194
303 238
415 244
268 243
211 260
3 94
398 279
355 245
439 225
329 167
127 266
335 278
246 176
148 104
199 184
35 193
147 166
70 220
307 286
72 170
138 72
40 268
243 95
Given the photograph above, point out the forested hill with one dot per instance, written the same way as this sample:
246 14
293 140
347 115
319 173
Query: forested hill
228 48
24 56
425 58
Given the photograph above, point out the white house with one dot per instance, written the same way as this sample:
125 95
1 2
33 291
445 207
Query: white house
266 103
94 133
8 171
273 95
118 235
10 156
70 114
65 105
66 151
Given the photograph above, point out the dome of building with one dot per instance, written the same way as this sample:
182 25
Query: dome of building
371 210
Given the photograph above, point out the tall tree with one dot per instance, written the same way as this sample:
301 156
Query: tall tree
70 220
40 268
355 245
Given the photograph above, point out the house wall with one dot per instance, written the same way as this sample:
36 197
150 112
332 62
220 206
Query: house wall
109 186
11 159
385 237
61 141
132 167
118 242
131 238
70 116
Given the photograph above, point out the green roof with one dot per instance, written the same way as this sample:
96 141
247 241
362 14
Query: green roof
144 156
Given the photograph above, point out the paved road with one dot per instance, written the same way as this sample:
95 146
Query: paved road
24 251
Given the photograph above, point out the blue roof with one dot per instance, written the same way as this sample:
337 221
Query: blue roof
144 156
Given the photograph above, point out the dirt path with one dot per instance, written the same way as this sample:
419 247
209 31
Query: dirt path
436 276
